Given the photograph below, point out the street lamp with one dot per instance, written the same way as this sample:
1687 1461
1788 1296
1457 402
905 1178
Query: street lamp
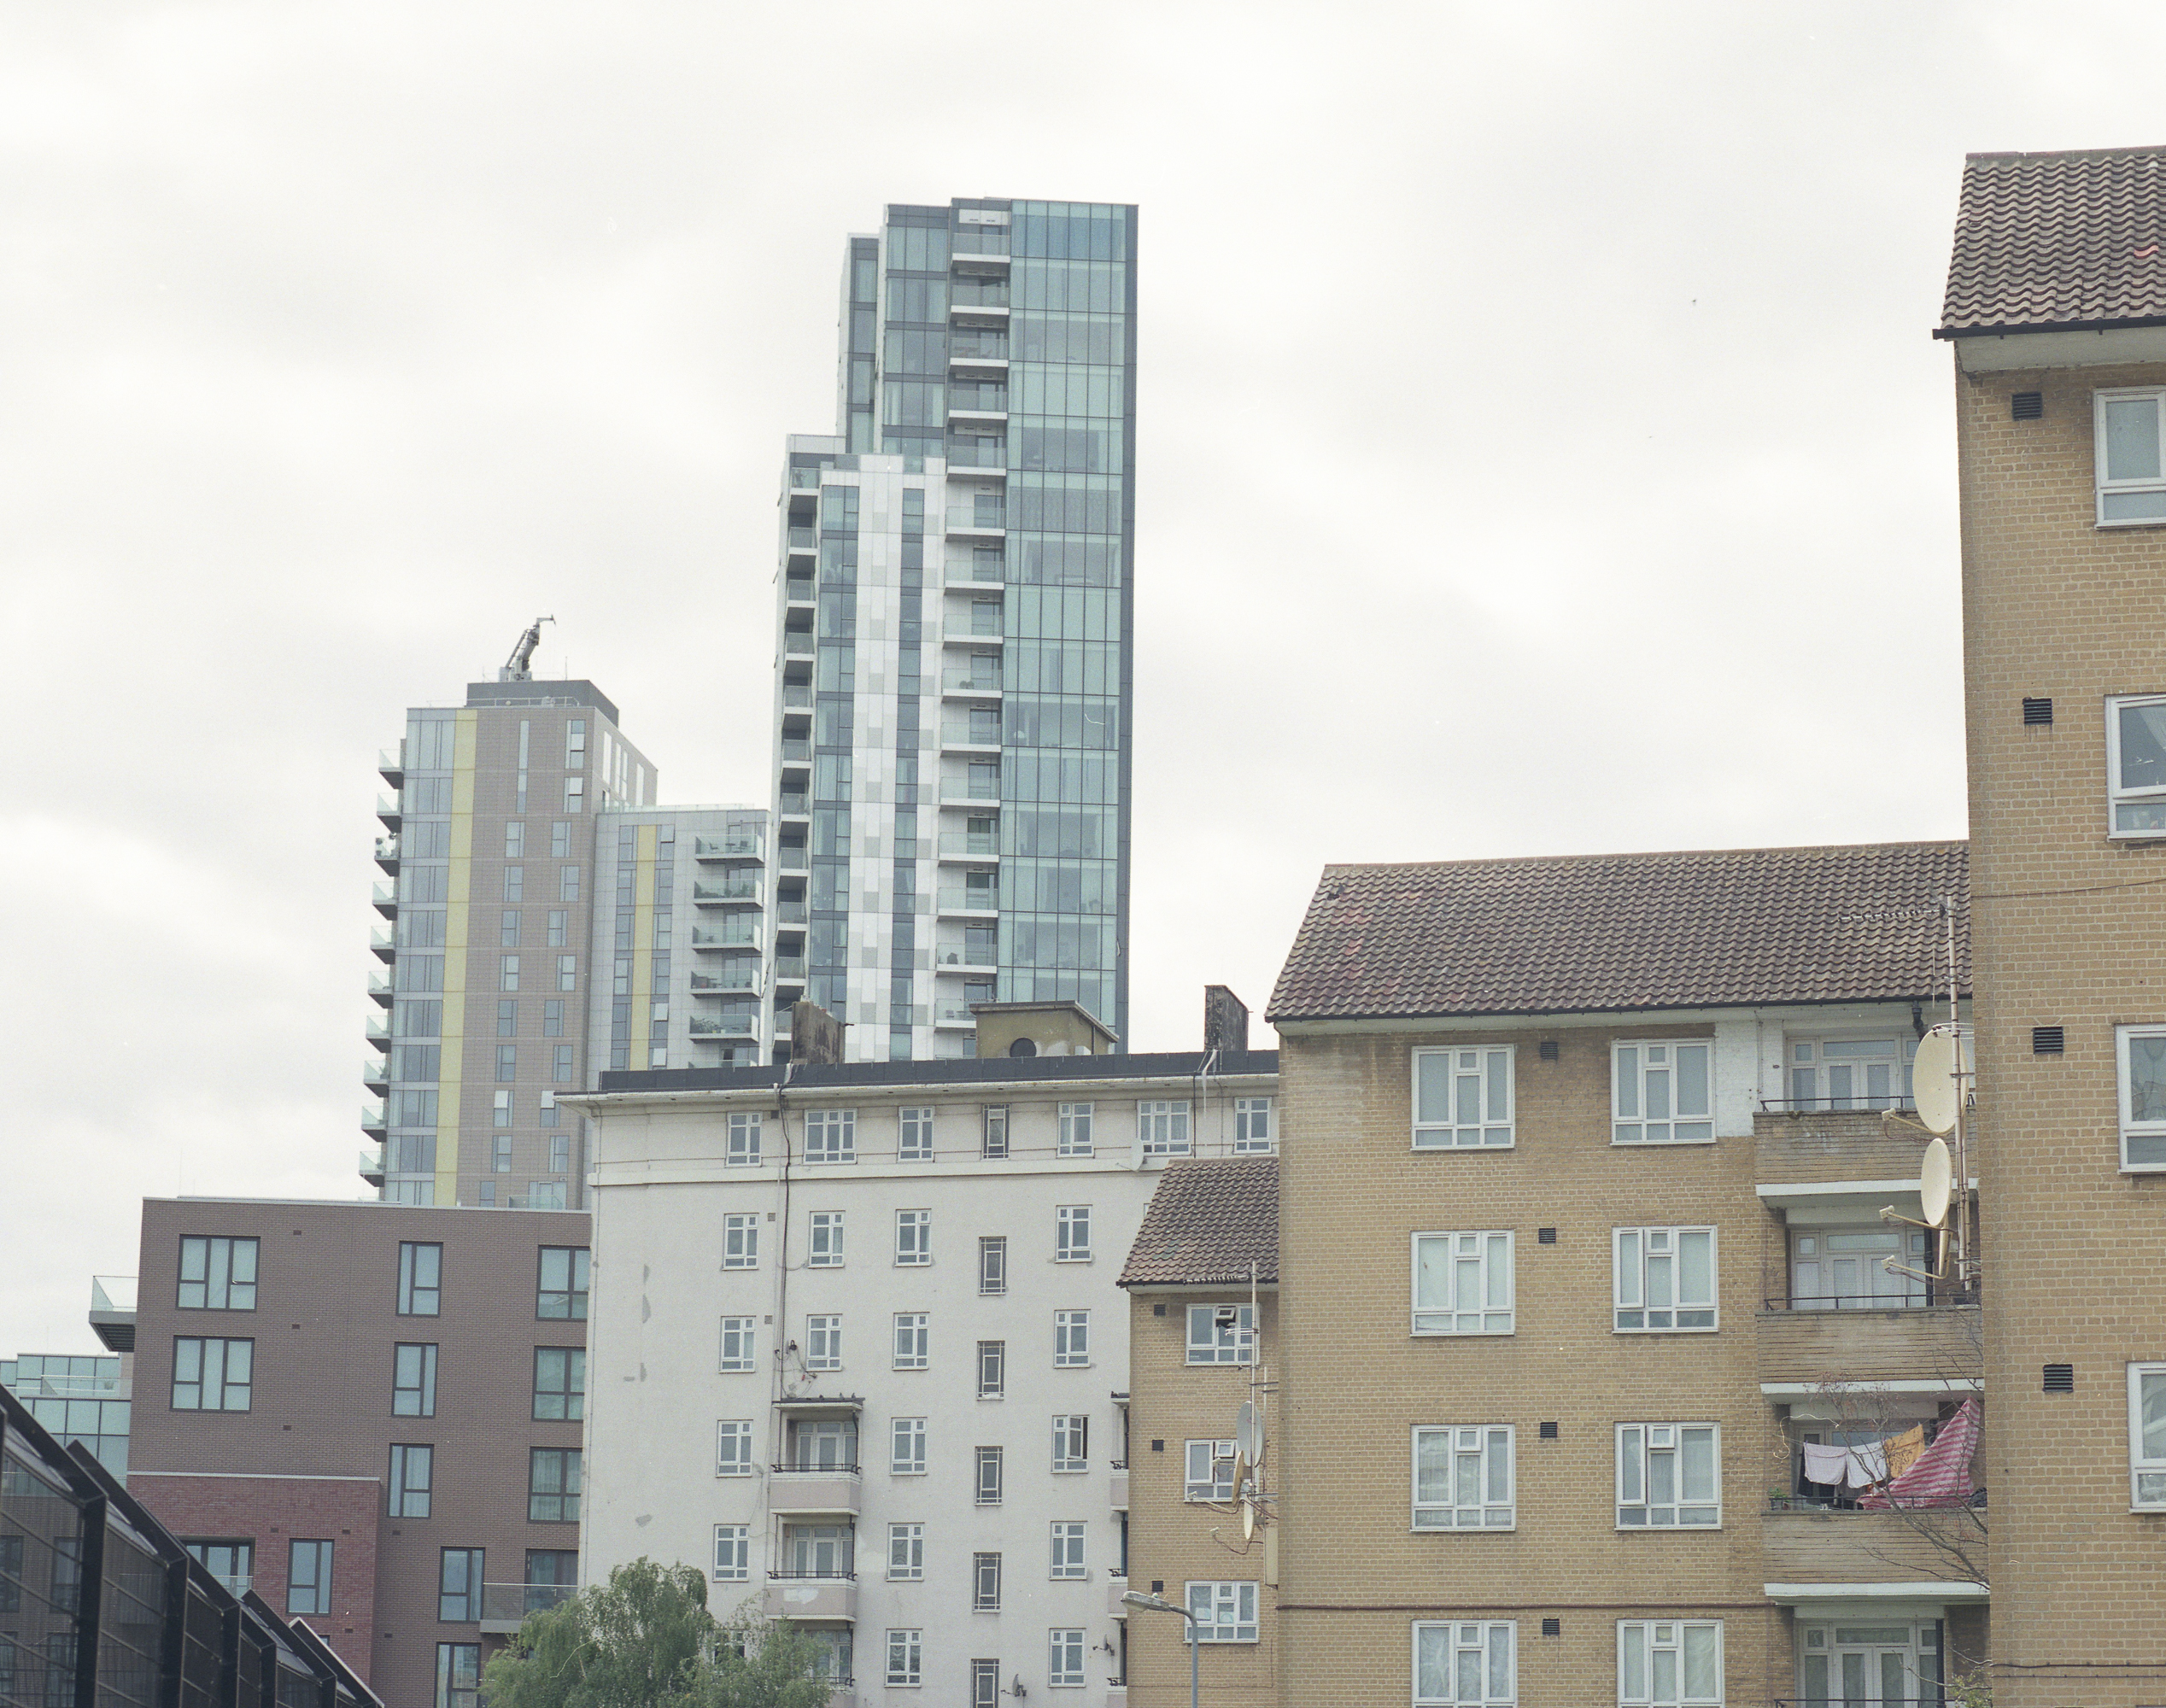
1159 1604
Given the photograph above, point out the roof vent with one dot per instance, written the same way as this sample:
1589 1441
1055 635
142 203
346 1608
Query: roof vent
2048 1040
2037 710
2026 406
2060 1378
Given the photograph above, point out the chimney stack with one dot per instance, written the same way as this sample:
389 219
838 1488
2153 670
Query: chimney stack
1225 1021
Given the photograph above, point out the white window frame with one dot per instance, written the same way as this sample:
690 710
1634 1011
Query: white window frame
1646 1641
913 1238
2118 795
1072 1234
1224 1610
992 1138
992 1265
737 1356
2146 1473
906 1447
2104 486
1482 1638
831 1135
985 1582
905 1553
989 1465
1071 1340
1487 1249
733 1561
1162 1127
1491 1449
905 1659
1630 1124
1076 1130
913 1339
823 1240
1214 1459
734 1447
1237 1345
1470 1071
740 1241
1637 1443
1071 1441
742 1149
2148 1134
1064 1662
824 1343
1644 1261
993 1369
914 1135
1254 1133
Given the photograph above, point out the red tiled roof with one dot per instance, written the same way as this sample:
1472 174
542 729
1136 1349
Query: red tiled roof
1209 1221
2058 240
1617 931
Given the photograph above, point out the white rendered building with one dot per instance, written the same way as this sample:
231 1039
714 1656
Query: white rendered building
857 1347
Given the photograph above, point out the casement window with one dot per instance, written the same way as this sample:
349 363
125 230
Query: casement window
1851 1072
413 1480
414 1380
560 1381
507 972
1221 1334
984 1684
995 1140
1463 1664
734 1447
1669 1476
1462 1283
561 1296
1462 1098
1072 1234
831 1136
992 1368
984 1583
1463 1478
1071 1339
308 1576
459 1586
740 1242
2147 1438
458 1675
1162 1127
905 1552
905 1657
212 1375
1846 1268
1208 1471
1663 1279
824 1343
822 1444
1844 1664
1071 1441
567 972
736 1346
913 1238
1076 1130
2131 474
1253 1135
421 1270
1661 1093
1678 1663
2142 1052
553 1485
741 1148
217 1274
992 1265
913 1339
818 1550
1224 1611
914 1143
989 1476
1067 1549
823 1248
2136 765
1064 1663
906 1447
733 1553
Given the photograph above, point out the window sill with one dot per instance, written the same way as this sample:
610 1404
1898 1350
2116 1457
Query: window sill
1461 1334
1462 1529
1668 1529
1649 1333
2143 1168
1662 1144
1421 1149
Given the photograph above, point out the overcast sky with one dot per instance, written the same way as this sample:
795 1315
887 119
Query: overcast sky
1540 450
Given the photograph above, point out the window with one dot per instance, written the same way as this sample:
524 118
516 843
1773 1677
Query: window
905 1552
905 1655
217 1274
984 1684
995 1142
740 1242
736 1346
1071 1339
567 972
824 1249
913 1338
501 1149
1210 1471
412 1475
1665 1280
1845 1268
507 1062
913 1237
1668 1474
988 1462
831 1136
567 883
915 1144
500 1115
574 794
1460 1665
212 1375
459 1586
421 1269
1661 1093
1076 1130
553 1017
308 1576
1071 1441
1252 1128
507 972
560 1382
992 1366
2142 1049
2147 1436
734 1447
1462 1478
2136 765
508 934
984 1583
553 1485
733 1553
743 1151
1067 1549
992 1265
1462 1283
1462 1098
906 1447
1225 1612
823 1444
232 1562
507 1023
1072 1234
1162 1127
414 1380
1221 1334
560 1066
515 883
2131 481
824 1343
458 1675
1852 1072
561 1296
1678 1663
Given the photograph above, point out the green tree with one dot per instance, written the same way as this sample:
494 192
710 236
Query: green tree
646 1640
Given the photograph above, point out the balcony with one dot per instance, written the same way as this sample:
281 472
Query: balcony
793 1597
1832 1145
727 893
378 1032
788 912
796 751
984 345
737 845
387 810
1117 1491
790 859
379 989
970 901
804 539
113 1310
975 458
1812 1553
986 639
372 1120
716 938
376 1073
795 804
1937 1344
971 683
723 1026
961 738
390 765
970 844
506 1605
744 978
789 969
974 574
969 794
797 589
797 697
387 854
955 1016
834 1492
978 293
384 897
384 944
798 643
989 520
371 1166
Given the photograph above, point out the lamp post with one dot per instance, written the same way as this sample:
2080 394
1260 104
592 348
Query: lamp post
1159 1604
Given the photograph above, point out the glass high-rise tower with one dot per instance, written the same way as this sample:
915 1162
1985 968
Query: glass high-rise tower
957 618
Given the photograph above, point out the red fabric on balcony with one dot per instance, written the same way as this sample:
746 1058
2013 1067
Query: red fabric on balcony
1941 1476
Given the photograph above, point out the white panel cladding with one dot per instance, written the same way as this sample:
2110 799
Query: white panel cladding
1737 1052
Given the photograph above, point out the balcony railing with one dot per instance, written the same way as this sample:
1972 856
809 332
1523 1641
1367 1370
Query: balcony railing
974 574
387 852
795 803
727 890
814 1576
970 901
371 1166
1894 1340
724 939
386 809
385 898
745 977
974 681
113 1293
737 845
797 697
797 590
971 844
508 1603
372 1119
790 967
797 748
979 293
391 763
978 344
1798 1146
723 1026
804 538
790 913
966 518
798 643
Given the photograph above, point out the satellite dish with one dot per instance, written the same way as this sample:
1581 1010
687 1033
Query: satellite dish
1248 1517
1935 1179
1248 1432
1933 1078
1242 1473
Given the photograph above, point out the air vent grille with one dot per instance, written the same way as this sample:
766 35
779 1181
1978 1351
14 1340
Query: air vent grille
1548 1049
2026 406
2037 710
2048 1040
1545 1236
2060 1378
1549 1432
1553 1628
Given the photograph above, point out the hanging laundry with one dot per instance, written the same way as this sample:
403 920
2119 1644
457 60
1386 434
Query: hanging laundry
1825 1464
1903 1450
1941 1476
1867 1465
